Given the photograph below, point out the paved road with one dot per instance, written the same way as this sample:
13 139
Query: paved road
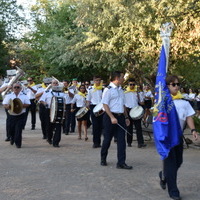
38 171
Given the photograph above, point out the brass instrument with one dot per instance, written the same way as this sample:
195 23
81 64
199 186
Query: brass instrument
13 80
16 106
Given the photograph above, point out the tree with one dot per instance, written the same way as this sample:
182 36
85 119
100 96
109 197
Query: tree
10 20
98 36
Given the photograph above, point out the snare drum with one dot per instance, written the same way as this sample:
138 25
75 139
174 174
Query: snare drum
57 110
136 112
98 110
81 112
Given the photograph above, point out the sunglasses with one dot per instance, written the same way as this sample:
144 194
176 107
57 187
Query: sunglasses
175 84
16 87
87 84
132 84
29 80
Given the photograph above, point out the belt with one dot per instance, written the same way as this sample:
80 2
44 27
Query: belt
118 114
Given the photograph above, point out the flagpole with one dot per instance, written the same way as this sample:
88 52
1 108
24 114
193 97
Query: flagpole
165 33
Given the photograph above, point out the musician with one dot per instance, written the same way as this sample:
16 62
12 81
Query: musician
53 130
198 103
80 101
73 87
42 108
3 87
132 99
115 120
31 91
87 85
69 94
191 97
175 158
16 121
93 98
148 98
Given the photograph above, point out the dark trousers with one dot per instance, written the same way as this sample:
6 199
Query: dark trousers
53 130
7 123
138 127
73 121
97 126
32 108
171 166
66 123
109 131
43 119
15 128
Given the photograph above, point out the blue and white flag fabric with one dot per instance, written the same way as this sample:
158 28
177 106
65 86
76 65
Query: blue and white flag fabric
166 125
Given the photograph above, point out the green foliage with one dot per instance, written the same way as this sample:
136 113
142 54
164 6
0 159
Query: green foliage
80 38
9 23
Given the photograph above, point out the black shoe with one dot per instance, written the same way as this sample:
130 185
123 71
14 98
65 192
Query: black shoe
129 145
96 146
67 133
44 137
162 182
124 166
49 141
72 131
11 142
33 128
7 139
18 146
56 145
175 198
103 163
141 145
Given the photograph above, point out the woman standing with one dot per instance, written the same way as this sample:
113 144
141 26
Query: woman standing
80 101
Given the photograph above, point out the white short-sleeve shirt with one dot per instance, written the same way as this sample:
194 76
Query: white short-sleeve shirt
24 99
113 96
131 99
184 110
30 93
79 100
94 96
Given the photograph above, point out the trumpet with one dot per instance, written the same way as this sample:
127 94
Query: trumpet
13 80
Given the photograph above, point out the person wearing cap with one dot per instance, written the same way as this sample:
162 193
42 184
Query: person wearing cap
16 120
31 91
53 129
42 108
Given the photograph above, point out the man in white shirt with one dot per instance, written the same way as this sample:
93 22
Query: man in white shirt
16 121
132 99
93 98
53 128
31 91
115 120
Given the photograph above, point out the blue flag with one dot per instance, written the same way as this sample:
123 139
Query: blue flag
166 125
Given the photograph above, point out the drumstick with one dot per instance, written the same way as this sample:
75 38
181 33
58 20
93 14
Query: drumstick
123 128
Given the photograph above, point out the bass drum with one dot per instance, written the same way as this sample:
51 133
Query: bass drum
136 112
57 110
